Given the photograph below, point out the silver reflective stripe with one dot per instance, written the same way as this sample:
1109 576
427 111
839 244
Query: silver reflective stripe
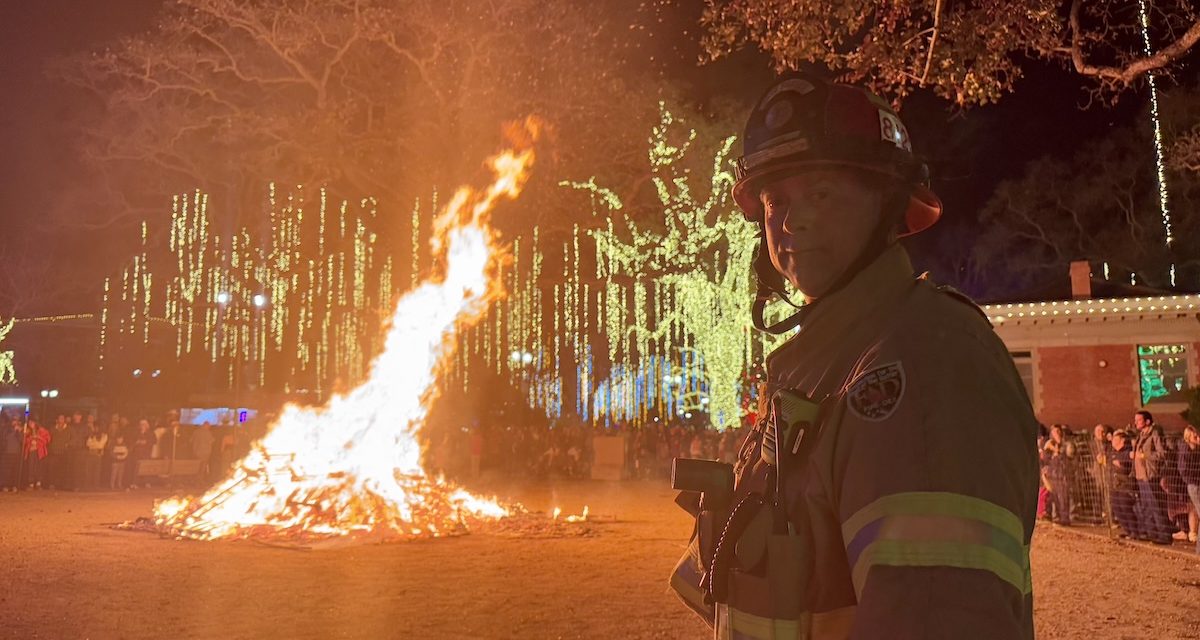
772 153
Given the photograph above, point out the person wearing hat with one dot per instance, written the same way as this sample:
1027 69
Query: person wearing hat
890 490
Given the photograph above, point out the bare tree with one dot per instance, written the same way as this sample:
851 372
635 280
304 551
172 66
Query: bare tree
33 280
1101 205
369 96
968 51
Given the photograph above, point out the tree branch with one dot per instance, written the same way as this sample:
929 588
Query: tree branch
1132 70
937 23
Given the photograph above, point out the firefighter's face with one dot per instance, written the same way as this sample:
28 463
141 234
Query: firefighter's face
817 223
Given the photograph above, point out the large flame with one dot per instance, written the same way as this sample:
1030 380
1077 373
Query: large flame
353 465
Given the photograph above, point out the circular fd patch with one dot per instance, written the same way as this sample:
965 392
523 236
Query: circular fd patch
779 114
875 395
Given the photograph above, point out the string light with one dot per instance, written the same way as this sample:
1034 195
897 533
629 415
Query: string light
669 302
245 299
1160 162
59 318
693 293
1001 313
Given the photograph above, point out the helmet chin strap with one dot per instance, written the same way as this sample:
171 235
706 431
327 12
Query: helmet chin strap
770 282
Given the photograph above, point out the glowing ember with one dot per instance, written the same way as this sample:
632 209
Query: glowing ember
572 519
353 465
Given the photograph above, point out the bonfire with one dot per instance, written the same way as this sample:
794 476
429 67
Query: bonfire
352 467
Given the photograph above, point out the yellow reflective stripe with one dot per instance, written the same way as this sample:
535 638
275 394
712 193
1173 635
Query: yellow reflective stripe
940 553
832 624
748 625
934 503
927 529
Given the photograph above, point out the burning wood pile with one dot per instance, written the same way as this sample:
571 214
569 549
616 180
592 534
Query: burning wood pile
352 468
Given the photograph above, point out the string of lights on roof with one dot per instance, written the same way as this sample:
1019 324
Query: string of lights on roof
59 318
1000 313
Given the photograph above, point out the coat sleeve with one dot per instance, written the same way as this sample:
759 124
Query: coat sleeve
935 484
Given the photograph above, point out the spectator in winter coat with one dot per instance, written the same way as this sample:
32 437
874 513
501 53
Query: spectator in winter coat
37 442
1123 490
12 439
1149 454
1057 476
142 449
1189 470
1096 471
119 453
96 442
1175 491
114 430
160 442
58 470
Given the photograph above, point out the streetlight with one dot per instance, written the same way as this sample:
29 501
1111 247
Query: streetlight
49 393
223 297
260 300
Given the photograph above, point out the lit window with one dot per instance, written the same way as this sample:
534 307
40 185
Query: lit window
1163 372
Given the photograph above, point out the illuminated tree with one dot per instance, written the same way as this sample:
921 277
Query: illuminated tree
688 277
298 306
8 374
968 52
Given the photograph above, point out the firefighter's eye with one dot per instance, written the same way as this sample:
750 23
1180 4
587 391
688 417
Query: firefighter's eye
772 200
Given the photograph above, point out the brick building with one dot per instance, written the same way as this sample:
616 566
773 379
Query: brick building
1089 360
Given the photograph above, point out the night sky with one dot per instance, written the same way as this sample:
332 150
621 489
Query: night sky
972 151
38 150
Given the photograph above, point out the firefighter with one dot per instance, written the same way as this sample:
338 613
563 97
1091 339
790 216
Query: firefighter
889 490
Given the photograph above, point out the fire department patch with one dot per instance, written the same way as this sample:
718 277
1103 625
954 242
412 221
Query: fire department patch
875 395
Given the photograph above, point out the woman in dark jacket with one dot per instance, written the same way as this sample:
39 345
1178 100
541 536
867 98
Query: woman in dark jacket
1057 454
142 446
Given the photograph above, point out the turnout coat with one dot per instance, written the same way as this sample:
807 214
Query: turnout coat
911 508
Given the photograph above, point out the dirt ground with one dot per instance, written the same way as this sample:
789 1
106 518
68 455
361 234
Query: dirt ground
65 574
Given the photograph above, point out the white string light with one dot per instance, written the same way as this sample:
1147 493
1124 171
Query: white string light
1001 313
1158 144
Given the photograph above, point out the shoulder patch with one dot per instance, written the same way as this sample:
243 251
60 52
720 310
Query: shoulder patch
875 395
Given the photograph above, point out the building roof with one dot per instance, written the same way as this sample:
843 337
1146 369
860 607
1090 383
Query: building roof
1081 309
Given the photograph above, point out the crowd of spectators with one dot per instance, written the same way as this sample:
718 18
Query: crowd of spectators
78 453
527 444
531 446
648 453
1139 479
